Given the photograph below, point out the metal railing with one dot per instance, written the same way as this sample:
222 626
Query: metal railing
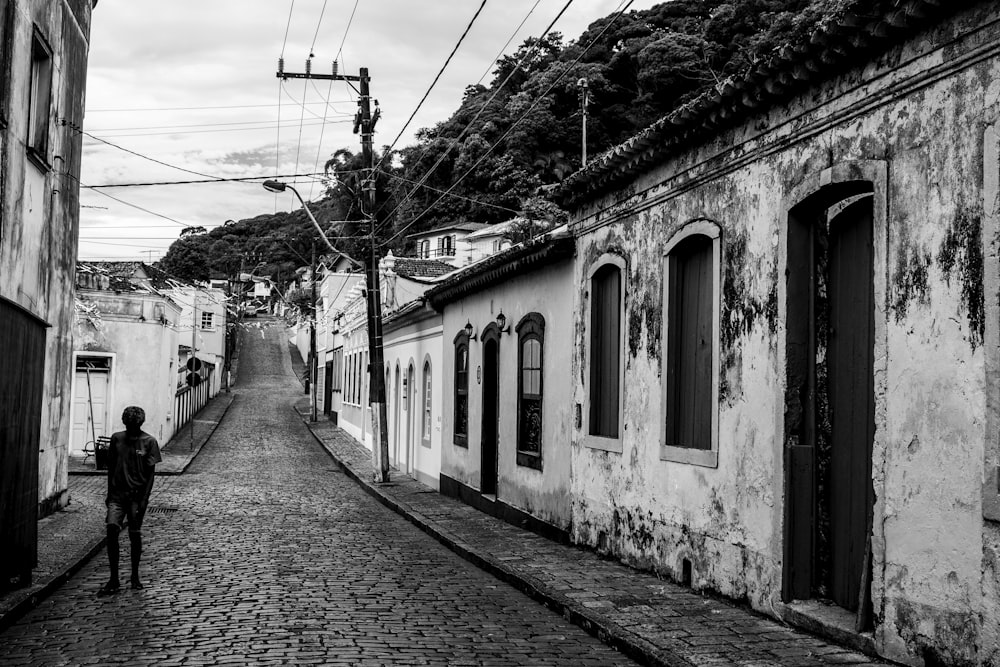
189 400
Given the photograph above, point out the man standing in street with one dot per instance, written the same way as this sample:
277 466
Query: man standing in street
132 458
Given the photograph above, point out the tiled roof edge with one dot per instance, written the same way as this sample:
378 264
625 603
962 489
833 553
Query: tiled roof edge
862 30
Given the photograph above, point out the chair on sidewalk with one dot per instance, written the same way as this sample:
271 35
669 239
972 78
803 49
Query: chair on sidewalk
97 451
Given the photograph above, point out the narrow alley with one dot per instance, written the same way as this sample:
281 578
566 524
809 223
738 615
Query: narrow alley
263 552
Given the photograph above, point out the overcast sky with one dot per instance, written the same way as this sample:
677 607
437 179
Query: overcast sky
193 85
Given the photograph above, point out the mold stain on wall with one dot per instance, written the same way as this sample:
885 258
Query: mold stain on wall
961 258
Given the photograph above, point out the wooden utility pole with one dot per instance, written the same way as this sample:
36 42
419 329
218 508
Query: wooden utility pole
584 102
365 124
312 335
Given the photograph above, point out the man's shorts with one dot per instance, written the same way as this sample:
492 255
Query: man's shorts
119 510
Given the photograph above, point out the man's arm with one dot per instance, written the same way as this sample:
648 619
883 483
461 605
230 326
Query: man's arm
112 460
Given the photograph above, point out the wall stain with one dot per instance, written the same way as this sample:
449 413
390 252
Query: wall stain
741 310
954 636
961 257
910 280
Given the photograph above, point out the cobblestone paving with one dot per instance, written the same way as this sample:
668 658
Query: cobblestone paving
264 553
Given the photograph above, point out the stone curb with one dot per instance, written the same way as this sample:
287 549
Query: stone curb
628 643
202 441
36 596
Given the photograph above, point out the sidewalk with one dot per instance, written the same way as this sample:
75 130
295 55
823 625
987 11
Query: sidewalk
649 619
70 537
182 448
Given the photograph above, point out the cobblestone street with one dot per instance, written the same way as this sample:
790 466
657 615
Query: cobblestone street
263 552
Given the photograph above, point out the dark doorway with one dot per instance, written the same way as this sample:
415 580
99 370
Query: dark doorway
830 400
22 368
328 388
491 412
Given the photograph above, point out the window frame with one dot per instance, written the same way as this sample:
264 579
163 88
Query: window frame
338 363
708 457
210 319
426 407
530 327
460 342
7 34
39 135
600 442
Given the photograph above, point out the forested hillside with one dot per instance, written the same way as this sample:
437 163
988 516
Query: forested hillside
522 130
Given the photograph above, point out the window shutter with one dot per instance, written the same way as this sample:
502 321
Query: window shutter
605 352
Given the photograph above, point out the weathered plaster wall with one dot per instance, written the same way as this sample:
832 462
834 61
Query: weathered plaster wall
144 369
39 223
413 345
548 291
921 112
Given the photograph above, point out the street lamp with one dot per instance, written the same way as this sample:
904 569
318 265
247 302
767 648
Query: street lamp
278 186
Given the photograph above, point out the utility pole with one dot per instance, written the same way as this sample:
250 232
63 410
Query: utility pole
312 334
364 123
584 102
194 355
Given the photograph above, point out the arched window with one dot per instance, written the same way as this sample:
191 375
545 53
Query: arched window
461 423
691 327
425 430
530 342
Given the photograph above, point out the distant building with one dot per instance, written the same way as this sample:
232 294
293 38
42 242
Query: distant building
126 339
444 242
44 48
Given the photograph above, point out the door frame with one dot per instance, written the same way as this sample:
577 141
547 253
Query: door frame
490 484
111 392
408 406
817 192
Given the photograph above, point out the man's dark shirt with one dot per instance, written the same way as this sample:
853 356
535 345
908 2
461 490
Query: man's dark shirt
131 461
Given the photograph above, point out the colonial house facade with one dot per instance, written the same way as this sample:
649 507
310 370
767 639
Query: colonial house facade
786 358
43 46
506 428
126 353
143 338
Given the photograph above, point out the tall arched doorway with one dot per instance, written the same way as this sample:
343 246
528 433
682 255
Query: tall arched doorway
830 398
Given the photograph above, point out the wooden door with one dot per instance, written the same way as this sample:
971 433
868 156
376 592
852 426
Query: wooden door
491 414
22 367
851 397
90 405
830 398
328 387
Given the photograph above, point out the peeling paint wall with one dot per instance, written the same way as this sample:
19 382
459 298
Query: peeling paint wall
39 221
916 120
544 493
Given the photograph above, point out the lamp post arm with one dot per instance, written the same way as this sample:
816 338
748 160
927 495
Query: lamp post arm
320 229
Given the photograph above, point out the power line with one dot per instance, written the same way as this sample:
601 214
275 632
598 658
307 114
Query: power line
450 194
469 125
493 147
205 108
475 16
512 36
172 127
131 152
235 179
230 129
318 24
287 26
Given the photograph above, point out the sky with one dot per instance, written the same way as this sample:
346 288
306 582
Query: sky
184 90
